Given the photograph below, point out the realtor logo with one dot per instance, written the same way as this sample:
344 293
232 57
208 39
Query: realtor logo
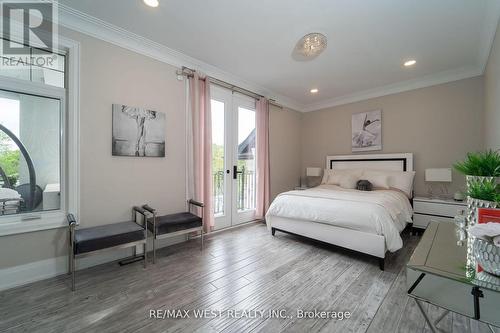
29 33
35 19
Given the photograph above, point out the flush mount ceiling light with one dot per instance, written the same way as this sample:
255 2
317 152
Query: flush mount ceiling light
314 91
151 3
311 45
410 63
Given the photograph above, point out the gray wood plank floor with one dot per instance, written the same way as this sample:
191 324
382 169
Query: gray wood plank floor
239 269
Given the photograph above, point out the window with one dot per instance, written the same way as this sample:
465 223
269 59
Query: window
30 153
39 148
49 68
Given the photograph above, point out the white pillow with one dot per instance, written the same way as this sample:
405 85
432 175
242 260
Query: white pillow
343 180
326 174
402 181
346 178
7 193
378 180
356 173
399 180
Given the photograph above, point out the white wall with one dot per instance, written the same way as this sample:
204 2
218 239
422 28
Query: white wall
438 124
285 149
492 96
110 186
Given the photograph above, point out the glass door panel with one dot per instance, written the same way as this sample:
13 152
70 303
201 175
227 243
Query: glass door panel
233 157
218 149
244 159
221 156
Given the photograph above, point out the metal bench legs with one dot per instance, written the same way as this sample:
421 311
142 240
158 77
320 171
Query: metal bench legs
154 248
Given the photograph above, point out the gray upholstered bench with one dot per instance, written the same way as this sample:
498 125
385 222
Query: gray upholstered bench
94 240
175 224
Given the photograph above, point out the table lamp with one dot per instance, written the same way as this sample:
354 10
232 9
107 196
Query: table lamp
312 172
438 175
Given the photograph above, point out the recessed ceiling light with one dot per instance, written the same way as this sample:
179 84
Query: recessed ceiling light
410 63
314 91
151 3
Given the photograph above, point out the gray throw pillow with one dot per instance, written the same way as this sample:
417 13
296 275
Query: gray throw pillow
364 185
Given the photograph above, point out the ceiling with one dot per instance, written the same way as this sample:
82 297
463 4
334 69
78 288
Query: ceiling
368 41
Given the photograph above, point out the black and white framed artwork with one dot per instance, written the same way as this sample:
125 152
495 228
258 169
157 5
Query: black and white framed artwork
138 132
367 131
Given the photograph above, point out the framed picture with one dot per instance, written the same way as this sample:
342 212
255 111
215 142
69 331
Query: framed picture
138 132
367 131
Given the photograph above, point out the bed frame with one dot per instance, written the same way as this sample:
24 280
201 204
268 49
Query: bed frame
351 239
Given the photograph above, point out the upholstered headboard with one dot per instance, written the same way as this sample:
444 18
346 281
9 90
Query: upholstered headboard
395 162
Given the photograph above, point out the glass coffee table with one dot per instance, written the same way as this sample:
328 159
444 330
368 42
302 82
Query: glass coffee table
442 272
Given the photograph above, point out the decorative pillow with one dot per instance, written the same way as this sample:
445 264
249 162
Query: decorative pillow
377 179
364 185
326 174
343 180
402 181
398 180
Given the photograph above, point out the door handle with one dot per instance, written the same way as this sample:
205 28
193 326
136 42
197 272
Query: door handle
236 172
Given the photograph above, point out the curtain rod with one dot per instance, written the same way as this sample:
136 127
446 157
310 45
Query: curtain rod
188 72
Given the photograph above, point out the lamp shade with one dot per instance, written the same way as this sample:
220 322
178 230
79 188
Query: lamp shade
438 175
313 172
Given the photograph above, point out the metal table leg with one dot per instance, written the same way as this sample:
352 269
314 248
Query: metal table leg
427 319
437 321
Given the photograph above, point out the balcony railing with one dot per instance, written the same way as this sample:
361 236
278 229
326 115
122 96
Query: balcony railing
245 186
218 183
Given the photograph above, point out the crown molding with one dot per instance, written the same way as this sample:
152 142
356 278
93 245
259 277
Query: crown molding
488 34
97 28
422 82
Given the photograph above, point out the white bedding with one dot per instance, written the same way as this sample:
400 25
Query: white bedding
381 212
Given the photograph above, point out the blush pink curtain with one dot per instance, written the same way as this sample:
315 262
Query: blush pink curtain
263 168
200 147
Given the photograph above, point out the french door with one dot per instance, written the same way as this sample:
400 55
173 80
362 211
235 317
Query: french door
233 157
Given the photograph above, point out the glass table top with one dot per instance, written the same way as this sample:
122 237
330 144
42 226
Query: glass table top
441 252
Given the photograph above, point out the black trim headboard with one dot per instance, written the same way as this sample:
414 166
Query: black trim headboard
396 162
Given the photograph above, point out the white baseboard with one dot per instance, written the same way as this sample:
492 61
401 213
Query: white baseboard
16 276
39 270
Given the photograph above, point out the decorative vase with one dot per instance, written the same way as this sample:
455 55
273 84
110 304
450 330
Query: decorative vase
472 208
487 255
480 180
474 204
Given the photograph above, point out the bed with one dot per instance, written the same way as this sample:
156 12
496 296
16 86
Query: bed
367 222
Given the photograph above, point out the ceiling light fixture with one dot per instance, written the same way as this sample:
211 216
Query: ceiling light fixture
151 3
410 63
311 45
314 91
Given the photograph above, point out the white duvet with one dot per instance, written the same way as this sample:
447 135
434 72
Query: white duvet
381 212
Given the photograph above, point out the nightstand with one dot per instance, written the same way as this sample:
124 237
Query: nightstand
426 210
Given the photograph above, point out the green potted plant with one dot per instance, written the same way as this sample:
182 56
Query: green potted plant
482 173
